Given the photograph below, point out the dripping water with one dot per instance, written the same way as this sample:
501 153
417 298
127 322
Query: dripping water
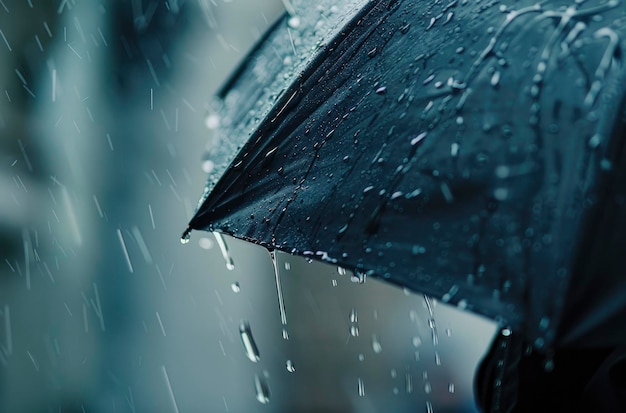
279 291
221 242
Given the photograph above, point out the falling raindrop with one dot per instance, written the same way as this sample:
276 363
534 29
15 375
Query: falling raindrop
408 383
249 345
290 367
360 387
427 388
354 330
361 357
221 242
341 271
235 287
261 389
451 388
429 407
354 316
376 346
334 282
279 291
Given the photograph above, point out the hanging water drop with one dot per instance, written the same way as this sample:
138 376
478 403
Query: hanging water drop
184 239
249 345
221 242
279 291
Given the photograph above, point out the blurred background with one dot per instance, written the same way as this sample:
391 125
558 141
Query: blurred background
103 122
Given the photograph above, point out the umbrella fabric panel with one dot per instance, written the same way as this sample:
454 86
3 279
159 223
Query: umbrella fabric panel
449 148
260 82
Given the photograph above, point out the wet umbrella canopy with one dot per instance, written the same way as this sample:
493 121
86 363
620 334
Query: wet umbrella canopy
472 151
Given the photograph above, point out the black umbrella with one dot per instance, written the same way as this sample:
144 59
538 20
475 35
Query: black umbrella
471 151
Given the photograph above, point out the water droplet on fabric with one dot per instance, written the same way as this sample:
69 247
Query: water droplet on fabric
208 166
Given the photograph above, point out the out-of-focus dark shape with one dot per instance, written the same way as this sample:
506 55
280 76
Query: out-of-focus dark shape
471 152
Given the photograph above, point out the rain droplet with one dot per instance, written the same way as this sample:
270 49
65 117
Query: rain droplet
376 346
418 138
495 79
427 388
354 330
416 341
408 382
221 242
261 389
451 388
249 345
212 121
334 282
381 90
279 291
184 239
354 316
359 277
594 141
208 166
360 387
290 367
235 287
341 271
294 22
361 357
